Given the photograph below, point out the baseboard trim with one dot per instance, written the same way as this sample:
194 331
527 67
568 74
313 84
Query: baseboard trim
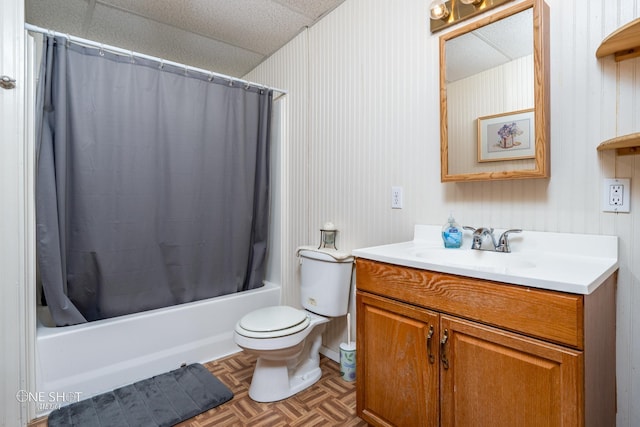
331 354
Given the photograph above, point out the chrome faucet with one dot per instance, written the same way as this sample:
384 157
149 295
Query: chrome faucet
479 234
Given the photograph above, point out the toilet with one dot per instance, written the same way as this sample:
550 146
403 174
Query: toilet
287 340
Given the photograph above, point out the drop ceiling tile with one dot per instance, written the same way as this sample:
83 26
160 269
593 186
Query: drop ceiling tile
229 36
512 36
490 46
256 25
312 9
127 31
468 55
65 16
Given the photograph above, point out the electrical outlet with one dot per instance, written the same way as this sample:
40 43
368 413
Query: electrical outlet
616 195
396 197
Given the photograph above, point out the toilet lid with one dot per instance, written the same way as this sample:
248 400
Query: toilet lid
269 320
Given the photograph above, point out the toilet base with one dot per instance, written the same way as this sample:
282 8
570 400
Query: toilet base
277 379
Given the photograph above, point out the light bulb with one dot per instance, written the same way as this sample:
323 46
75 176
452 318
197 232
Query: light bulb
439 9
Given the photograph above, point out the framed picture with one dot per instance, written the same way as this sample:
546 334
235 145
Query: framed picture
507 136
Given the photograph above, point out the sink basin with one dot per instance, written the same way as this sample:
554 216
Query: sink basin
575 263
477 259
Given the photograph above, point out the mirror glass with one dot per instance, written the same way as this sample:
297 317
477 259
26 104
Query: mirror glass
493 106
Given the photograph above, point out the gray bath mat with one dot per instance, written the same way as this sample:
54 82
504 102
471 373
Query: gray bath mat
163 400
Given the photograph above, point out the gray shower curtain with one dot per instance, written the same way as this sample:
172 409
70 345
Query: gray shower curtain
152 184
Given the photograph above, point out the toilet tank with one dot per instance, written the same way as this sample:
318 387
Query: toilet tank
325 281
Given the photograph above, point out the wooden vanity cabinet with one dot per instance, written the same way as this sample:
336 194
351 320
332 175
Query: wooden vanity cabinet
497 378
442 350
398 356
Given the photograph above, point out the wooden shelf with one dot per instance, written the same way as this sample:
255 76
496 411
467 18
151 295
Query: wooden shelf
627 144
624 43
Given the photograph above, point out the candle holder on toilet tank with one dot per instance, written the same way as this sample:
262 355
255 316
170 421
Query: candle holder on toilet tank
328 236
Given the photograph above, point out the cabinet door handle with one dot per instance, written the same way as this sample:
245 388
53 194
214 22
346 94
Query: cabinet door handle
443 353
429 352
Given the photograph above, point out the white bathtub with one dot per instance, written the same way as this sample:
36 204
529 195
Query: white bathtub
91 358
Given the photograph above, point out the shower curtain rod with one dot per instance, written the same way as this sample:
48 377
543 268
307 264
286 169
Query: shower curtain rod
130 53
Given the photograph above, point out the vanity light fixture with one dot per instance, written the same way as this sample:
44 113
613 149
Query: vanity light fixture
439 9
445 13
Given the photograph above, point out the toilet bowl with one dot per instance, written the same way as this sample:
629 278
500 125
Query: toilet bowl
287 340
288 358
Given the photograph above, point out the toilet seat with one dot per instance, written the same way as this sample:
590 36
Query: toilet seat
273 322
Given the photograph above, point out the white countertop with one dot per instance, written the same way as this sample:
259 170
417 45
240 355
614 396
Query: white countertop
566 262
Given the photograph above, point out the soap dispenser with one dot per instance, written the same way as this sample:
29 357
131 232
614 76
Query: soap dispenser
452 233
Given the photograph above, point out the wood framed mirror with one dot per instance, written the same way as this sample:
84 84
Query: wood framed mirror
494 96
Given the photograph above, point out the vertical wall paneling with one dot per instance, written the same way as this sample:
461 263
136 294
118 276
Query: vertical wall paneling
363 115
287 69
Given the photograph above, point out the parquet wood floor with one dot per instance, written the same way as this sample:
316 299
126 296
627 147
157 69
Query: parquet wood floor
329 402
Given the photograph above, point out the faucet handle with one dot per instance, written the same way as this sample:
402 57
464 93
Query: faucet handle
503 242
513 230
466 227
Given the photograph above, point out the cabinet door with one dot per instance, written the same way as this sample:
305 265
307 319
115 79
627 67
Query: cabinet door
496 378
397 363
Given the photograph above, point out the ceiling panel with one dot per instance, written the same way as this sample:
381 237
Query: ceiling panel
65 16
312 9
513 36
121 29
468 55
490 46
255 25
227 36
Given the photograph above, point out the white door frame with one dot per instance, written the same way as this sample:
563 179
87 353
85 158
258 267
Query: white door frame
17 225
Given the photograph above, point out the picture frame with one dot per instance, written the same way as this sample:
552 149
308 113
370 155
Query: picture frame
507 136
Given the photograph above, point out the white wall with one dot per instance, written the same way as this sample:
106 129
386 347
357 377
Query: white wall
16 222
363 116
